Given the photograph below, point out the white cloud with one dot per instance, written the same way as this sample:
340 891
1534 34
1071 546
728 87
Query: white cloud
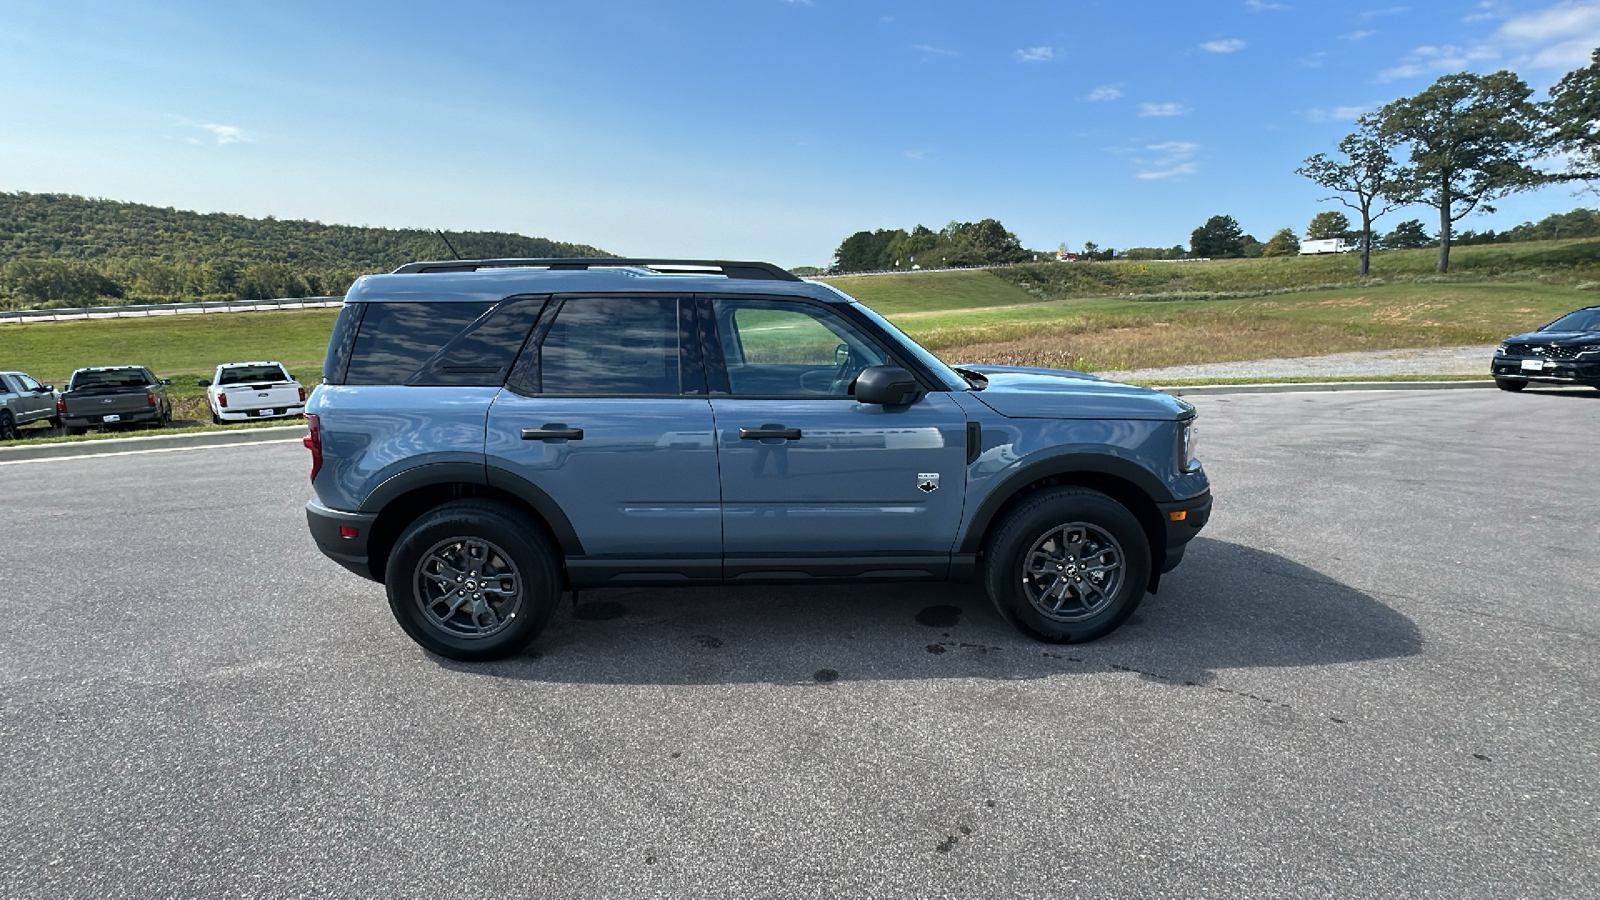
1172 159
227 134
1223 46
800 2
1314 61
1262 5
1162 109
1337 113
1560 37
1104 92
1385 11
1488 9
916 154
1358 35
1441 59
936 51
1035 54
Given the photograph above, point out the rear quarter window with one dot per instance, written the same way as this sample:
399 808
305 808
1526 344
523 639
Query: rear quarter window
396 340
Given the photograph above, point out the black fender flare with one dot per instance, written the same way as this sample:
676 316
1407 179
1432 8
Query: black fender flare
1027 471
431 474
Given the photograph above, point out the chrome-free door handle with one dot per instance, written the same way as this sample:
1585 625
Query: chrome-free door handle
553 431
769 431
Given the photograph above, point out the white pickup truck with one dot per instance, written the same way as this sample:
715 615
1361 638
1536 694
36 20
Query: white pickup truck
243 391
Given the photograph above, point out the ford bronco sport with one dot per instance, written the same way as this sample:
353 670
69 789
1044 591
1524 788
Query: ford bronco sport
489 433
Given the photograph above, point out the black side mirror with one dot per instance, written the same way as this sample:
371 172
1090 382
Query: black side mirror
204 382
887 385
166 381
45 389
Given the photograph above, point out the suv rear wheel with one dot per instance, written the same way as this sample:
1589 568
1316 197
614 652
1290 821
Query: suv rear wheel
1068 565
473 580
1509 384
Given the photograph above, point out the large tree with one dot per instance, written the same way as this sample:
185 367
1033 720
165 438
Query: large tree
1283 243
1219 238
1366 171
1573 116
1408 235
1329 224
1472 139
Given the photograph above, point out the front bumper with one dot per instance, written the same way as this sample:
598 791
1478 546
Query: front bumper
1183 520
348 551
1551 371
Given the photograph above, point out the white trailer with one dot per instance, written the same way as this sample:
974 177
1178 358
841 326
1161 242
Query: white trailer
1326 245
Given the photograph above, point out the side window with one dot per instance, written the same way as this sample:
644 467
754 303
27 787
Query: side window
341 342
28 384
8 384
615 346
785 349
396 339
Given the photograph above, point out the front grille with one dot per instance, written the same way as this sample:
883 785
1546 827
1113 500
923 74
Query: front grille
1548 351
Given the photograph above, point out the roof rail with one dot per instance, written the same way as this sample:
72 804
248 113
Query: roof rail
754 271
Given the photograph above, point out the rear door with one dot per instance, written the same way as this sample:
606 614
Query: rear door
814 483
607 415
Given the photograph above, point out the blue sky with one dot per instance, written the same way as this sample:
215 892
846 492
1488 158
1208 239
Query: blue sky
765 129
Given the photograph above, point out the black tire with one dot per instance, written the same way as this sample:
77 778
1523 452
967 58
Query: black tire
215 419
1102 577
75 430
8 428
1509 384
473 543
164 417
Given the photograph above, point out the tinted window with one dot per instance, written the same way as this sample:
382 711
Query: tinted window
341 343
119 378
252 374
396 339
28 384
613 346
773 348
484 352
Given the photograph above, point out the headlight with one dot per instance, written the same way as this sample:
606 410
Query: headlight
1588 348
1186 439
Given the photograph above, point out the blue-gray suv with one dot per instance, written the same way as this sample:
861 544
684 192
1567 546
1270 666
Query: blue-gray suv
490 433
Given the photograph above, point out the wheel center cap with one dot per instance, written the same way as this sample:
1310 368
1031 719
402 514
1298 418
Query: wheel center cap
472 585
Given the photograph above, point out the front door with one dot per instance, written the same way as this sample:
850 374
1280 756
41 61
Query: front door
814 483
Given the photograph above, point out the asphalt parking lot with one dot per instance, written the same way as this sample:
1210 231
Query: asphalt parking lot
1376 675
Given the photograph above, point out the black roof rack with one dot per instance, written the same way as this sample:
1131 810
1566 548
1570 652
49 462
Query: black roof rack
754 271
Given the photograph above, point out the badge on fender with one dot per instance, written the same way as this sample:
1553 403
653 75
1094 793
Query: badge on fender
927 482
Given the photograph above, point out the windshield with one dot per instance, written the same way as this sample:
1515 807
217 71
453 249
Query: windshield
251 374
1582 320
119 378
952 381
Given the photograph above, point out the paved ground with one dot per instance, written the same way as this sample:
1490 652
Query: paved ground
1467 360
1378 675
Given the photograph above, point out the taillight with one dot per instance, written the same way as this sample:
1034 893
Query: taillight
151 397
302 395
61 406
222 401
313 442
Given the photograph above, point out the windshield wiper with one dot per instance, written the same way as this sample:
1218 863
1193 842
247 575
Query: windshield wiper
976 380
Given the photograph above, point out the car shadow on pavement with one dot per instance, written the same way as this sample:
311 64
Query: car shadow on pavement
1226 607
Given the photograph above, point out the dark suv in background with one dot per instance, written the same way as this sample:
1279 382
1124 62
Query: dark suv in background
490 433
1566 351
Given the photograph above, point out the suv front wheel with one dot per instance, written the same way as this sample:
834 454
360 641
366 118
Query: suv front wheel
1068 565
473 580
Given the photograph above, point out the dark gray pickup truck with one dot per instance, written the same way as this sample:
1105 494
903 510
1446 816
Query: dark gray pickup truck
115 396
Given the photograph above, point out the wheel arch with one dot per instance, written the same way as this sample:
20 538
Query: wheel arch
1128 483
405 497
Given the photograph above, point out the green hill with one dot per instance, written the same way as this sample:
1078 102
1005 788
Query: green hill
64 250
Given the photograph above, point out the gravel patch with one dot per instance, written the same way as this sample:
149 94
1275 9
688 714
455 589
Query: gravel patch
1464 360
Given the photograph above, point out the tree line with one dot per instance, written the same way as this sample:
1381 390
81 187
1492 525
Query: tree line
982 243
65 250
1461 144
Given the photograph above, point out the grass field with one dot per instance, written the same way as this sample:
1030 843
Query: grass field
1095 316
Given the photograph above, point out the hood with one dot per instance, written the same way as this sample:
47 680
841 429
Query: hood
1023 393
1556 337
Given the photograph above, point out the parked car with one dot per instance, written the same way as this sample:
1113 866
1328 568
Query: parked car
1566 351
239 392
490 433
23 400
114 396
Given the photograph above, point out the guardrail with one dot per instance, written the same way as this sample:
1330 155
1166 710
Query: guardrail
21 316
